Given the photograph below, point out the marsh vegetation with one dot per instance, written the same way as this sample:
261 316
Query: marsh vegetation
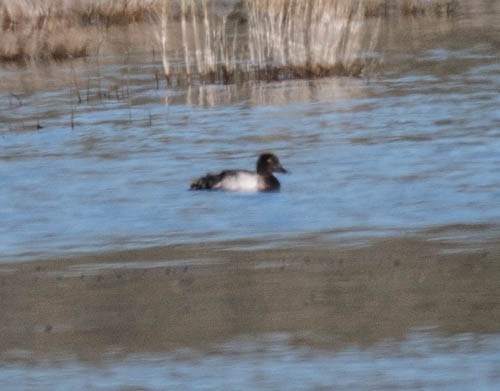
210 40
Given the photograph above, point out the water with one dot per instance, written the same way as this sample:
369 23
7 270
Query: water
403 151
98 155
421 362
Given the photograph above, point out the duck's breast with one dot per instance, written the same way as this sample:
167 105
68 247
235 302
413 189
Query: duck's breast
241 181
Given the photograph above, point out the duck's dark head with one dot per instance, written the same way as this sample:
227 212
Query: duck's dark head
269 163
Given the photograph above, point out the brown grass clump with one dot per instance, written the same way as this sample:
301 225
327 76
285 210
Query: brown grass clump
54 41
62 29
429 8
411 8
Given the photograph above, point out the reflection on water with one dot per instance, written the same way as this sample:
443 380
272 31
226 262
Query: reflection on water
422 361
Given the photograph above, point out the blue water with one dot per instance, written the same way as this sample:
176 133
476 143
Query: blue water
399 152
420 362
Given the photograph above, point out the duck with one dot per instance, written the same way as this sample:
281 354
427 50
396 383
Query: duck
262 180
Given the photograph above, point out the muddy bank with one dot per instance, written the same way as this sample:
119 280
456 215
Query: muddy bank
159 299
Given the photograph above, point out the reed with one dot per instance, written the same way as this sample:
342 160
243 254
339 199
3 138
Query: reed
267 39
39 30
212 40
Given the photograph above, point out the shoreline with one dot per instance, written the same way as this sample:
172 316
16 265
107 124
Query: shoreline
461 236
171 297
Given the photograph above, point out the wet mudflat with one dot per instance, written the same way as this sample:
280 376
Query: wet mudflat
197 315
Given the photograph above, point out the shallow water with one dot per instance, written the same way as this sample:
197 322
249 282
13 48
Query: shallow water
423 361
414 147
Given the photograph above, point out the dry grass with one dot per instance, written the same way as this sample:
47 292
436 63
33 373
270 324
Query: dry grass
48 42
221 40
265 40
278 39
411 8
34 30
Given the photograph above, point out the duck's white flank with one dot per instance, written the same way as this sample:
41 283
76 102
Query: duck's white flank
242 181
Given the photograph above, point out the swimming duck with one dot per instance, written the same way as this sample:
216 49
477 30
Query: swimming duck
244 180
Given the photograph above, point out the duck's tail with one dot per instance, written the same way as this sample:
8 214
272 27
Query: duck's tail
205 183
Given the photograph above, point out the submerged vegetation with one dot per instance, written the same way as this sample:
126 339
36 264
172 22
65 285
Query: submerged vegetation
210 40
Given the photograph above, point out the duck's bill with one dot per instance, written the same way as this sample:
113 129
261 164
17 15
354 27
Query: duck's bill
280 168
